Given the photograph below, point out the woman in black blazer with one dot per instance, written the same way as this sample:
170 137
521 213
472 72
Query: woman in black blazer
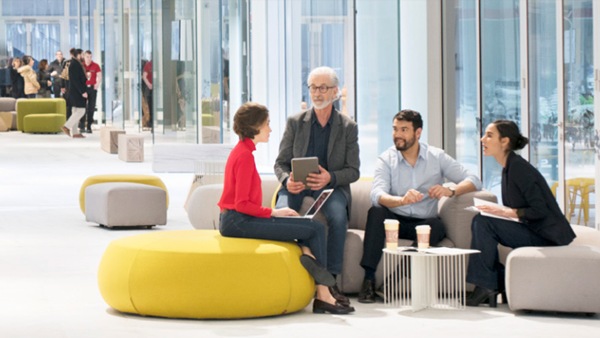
526 197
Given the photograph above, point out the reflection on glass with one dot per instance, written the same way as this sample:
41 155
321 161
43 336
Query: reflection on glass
462 67
325 26
377 74
500 74
211 72
543 133
579 111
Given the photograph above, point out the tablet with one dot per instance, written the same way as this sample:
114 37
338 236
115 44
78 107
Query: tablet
302 166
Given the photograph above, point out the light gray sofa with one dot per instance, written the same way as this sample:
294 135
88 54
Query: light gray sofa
8 113
561 278
203 213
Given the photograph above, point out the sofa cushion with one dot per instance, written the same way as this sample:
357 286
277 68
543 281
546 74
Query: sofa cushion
458 220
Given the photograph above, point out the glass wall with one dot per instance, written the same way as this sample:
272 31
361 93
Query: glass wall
377 77
579 142
500 74
499 86
463 122
543 113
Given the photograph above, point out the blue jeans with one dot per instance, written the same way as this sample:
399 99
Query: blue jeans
309 233
487 234
336 214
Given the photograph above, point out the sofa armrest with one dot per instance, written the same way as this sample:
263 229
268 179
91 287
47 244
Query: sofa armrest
458 220
203 211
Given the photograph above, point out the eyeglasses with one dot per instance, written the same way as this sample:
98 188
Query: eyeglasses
322 89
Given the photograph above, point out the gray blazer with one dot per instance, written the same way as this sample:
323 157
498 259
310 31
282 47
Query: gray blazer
342 151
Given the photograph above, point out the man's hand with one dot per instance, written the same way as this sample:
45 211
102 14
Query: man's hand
412 196
438 191
84 95
320 180
293 186
283 212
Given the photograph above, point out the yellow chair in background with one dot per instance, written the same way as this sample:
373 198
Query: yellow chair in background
578 187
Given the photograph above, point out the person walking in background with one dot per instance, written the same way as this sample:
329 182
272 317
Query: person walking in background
64 84
538 220
77 94
94 78
243 216
55 70
147 93
43 78
17 81
29 76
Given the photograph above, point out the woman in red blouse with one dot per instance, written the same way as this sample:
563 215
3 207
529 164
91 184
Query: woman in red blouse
243 216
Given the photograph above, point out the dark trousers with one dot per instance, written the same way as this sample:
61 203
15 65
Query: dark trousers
307 232
487 234
375 233
89 109
336 214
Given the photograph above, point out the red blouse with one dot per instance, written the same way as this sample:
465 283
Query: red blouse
242 190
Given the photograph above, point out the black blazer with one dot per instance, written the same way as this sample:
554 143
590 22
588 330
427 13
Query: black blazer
77 85
525 189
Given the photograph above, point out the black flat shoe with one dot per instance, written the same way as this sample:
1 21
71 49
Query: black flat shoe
317 271
480 295
320 306
339 296
367 292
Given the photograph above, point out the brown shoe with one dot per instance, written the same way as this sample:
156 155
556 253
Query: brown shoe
78 136
339 296
66 131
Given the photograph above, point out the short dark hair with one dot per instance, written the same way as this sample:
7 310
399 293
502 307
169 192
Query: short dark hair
410 116
508 128
249 118
77 52
26 59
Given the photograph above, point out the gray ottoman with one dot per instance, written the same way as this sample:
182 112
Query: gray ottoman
117 204
562 278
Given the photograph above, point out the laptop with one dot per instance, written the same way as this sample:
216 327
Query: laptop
315 207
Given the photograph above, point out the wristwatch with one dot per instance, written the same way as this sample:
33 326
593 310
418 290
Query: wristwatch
452 191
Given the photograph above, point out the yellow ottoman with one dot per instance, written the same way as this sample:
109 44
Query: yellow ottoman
132 178
200 274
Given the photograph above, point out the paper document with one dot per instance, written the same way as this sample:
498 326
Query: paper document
478 201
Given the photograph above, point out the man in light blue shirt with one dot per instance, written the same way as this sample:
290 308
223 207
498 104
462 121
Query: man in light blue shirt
407 186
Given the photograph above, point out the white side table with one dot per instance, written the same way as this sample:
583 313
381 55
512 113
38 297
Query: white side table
436 280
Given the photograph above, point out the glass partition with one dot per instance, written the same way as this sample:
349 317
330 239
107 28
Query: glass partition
377 77
460 83
543 130
500 73
579 111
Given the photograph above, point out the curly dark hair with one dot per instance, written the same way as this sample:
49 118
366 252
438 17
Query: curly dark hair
249 118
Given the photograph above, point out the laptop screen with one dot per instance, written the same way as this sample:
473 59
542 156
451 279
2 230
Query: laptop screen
319 202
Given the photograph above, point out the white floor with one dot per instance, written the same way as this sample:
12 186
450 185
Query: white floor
49 256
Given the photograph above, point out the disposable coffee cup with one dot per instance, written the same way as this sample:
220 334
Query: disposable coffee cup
423 232
391 233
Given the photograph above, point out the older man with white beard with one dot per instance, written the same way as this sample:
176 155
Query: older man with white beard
322 132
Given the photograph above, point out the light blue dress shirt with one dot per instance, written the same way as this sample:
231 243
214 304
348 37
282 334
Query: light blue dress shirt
395 176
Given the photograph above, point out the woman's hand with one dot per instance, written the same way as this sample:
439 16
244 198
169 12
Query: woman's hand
498 210
283 212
